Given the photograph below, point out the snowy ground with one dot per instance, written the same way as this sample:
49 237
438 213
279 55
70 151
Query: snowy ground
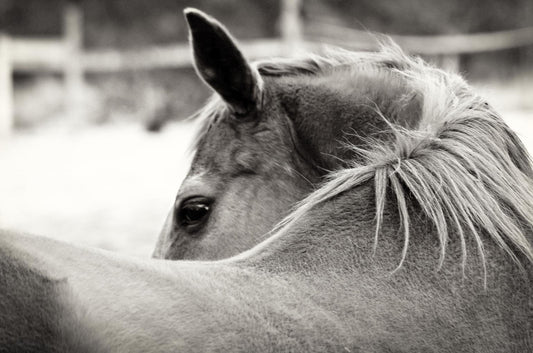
109 187
112 186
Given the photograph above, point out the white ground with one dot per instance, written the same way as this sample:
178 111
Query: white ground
109 187
112 186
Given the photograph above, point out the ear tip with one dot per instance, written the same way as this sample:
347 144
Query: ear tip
190 10
194 15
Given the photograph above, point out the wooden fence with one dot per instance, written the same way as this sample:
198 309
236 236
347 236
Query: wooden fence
66 54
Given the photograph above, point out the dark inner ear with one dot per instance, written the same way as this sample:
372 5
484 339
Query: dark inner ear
220 63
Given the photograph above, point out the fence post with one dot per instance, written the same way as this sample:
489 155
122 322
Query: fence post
291 26
6 87
73 38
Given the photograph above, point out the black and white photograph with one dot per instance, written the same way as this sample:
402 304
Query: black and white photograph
266 176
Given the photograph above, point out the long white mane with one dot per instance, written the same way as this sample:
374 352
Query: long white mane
462 164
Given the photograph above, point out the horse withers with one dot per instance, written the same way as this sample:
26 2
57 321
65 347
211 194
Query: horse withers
271 133
423 243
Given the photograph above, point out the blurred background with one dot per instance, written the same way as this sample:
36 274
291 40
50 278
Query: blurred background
95 94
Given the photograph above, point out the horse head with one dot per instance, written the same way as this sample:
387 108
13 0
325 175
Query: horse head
270 134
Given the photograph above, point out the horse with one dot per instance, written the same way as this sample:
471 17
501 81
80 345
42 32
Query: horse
423 243
271 133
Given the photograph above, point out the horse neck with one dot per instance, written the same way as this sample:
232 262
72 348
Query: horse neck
339 234
344 107
333 246
336 239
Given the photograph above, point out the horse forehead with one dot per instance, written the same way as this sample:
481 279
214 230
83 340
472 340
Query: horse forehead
231 146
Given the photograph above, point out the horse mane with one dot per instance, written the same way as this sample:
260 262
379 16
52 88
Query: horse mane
330 59
462 165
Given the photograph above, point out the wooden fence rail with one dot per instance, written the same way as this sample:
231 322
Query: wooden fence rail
66 55
453 44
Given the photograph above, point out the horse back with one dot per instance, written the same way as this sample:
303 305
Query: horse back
32 316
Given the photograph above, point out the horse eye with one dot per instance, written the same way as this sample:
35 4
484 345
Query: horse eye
193 212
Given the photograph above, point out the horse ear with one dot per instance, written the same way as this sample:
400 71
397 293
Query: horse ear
220 63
